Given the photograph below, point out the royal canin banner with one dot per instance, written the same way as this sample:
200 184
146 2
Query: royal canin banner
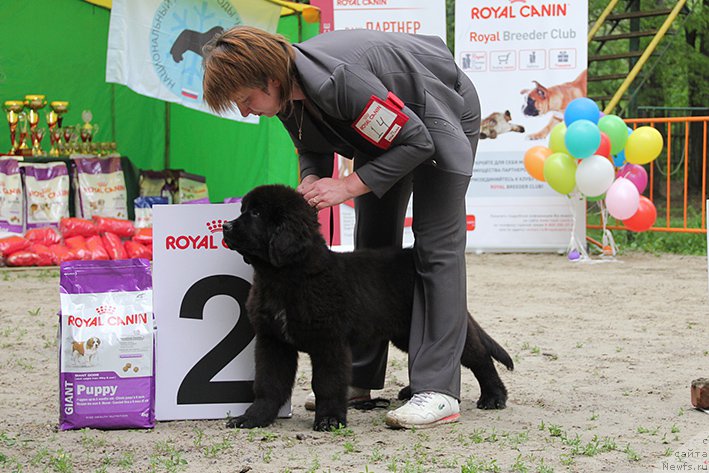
527 59
155 46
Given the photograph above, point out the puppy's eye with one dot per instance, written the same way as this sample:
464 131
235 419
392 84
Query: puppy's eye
254 212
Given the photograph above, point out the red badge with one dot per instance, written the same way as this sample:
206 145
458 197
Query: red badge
381 121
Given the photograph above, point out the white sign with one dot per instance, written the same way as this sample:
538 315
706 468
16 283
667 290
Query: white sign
403 16
518 53
205 343
155 46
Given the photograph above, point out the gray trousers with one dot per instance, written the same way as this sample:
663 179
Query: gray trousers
438 327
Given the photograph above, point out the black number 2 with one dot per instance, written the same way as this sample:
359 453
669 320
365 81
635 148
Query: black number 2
198 387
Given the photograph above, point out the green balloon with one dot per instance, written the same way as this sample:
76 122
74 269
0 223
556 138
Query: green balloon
556 139
617 131
560 172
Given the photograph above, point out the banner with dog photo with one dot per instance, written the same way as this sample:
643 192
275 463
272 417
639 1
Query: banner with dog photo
406 16
528 60
155 46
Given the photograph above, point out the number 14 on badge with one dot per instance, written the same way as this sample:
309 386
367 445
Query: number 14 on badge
204 351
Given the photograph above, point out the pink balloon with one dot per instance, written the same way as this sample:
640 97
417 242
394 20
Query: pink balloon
622 199
635 174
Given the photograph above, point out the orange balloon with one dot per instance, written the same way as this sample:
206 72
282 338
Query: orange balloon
644 218
534 161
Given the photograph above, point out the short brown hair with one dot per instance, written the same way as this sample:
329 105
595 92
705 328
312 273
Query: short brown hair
244 56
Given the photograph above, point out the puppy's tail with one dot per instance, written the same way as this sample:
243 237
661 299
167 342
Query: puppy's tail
493 348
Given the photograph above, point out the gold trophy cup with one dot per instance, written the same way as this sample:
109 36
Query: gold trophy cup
87 131
54 122
35 103
13 108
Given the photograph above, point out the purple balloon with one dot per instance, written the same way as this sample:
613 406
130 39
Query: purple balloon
635 174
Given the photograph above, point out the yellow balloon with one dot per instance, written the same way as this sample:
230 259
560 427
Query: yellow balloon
534 161
556 139
560 172
644 145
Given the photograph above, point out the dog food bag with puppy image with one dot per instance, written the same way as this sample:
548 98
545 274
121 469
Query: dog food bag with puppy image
11 218
106 345
46 194
100 188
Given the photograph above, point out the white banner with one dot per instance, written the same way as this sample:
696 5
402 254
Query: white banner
527 59
154 46
403 16
205 349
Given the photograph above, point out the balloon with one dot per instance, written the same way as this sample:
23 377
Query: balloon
615 128
644 218
635 174
619 159
604 149
534 161
622 199
560 172
581 108
556 139
594 175
582 138
643 146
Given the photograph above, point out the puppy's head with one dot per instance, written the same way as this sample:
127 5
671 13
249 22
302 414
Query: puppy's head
536 100
92 344
276 227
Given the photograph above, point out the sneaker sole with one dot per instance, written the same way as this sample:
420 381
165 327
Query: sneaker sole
395 423
310 406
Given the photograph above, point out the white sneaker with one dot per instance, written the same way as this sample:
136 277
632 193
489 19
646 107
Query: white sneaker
353 394
424 410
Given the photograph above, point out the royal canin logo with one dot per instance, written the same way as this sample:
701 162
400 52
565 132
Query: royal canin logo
197 242
105 310
544 10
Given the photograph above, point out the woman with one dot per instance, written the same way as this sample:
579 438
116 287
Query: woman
397 105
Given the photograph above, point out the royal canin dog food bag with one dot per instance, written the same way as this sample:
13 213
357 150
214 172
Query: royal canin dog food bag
11 217
106 345
100 188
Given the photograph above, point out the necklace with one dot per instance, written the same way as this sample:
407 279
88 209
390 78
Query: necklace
300 125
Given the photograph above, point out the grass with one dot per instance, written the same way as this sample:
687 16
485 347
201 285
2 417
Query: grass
654 241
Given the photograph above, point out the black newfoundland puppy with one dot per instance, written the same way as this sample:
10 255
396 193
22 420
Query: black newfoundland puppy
310 299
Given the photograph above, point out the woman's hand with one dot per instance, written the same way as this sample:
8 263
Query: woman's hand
326 192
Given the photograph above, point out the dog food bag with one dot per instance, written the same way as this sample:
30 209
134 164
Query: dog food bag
46 194
144 209
106 349
191 187
11 217
101 188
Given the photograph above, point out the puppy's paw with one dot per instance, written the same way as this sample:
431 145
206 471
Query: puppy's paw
536 136
327 423
246 422
497 401
404 394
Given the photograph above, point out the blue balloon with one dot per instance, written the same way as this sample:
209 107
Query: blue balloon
582 138
619 159
581 109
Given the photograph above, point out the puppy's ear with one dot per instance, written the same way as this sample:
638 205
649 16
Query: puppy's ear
541 90
289 242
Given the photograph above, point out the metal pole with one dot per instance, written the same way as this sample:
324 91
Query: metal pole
601 19
166 159
645 56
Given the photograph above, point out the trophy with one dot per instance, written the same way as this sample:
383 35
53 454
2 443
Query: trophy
87 131
54 122
13 108
35 103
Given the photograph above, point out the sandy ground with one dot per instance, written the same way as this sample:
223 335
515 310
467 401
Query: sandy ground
604 357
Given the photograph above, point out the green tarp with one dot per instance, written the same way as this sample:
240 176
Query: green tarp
58 48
